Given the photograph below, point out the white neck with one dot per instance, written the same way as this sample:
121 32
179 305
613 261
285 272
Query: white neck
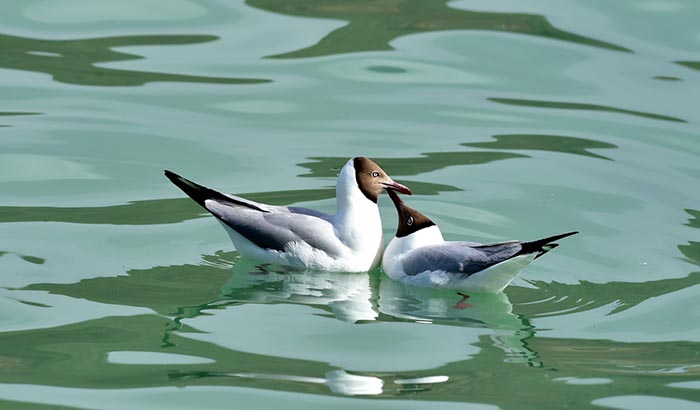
357 221
350 198
424 237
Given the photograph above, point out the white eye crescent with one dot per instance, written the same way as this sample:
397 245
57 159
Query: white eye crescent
375 174
409 221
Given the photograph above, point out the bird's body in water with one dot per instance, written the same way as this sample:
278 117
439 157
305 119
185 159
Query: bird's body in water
419 255
349 241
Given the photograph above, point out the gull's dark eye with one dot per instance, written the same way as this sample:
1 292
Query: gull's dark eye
375 174
409 221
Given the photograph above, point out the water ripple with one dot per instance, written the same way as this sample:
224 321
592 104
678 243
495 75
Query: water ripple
694 221
74 61
8 114
428 162
582 106
554 298
27 258
374 25
173 210
554 143
693 65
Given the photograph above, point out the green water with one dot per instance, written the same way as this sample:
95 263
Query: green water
508 119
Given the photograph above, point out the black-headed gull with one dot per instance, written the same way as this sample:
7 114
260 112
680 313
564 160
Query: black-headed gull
349 241
419 255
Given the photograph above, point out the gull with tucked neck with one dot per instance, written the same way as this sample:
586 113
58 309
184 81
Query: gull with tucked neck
419 255
349 241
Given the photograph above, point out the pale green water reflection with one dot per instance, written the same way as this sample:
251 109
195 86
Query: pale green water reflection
580 106
163 211
556 143
373 25
691 251
8 114
74 61
76 355
694 221
695 65
427 162
27 258
508 119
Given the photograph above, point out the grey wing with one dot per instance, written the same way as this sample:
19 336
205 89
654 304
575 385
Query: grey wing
276 227
310 226
465 258
305 211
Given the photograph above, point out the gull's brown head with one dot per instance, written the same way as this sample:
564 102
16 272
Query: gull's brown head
410 220
372 179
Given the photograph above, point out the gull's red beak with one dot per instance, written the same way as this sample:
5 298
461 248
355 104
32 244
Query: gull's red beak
395 186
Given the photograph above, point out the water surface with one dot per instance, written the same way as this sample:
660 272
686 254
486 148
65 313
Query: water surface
507 119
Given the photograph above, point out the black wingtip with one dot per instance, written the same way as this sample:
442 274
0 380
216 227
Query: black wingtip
171 176
557 237
195 191
542 246
200 193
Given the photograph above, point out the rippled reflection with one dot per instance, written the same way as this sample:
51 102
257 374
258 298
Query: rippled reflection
582 106
223 279
691 251
27 258
164 211
8 114
554 298
74 61
373 25
168 290
148 212
337 381
555 143
187 290
507 351
348 295
428 162
494 311
694 221
693 65
666 78
172 210
77 355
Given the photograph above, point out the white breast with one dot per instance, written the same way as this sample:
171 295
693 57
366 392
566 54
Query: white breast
398 248
357 223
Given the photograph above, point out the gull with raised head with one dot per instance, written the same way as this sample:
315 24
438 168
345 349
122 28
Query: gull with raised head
349 241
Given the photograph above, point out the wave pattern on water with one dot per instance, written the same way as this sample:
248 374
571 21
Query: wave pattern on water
554 298
373 25
428 162
582 106
171 210
27 258
693 65
8 114
691 251
122 295
554 143
76 355
74 61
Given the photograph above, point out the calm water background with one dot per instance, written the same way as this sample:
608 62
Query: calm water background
509 119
